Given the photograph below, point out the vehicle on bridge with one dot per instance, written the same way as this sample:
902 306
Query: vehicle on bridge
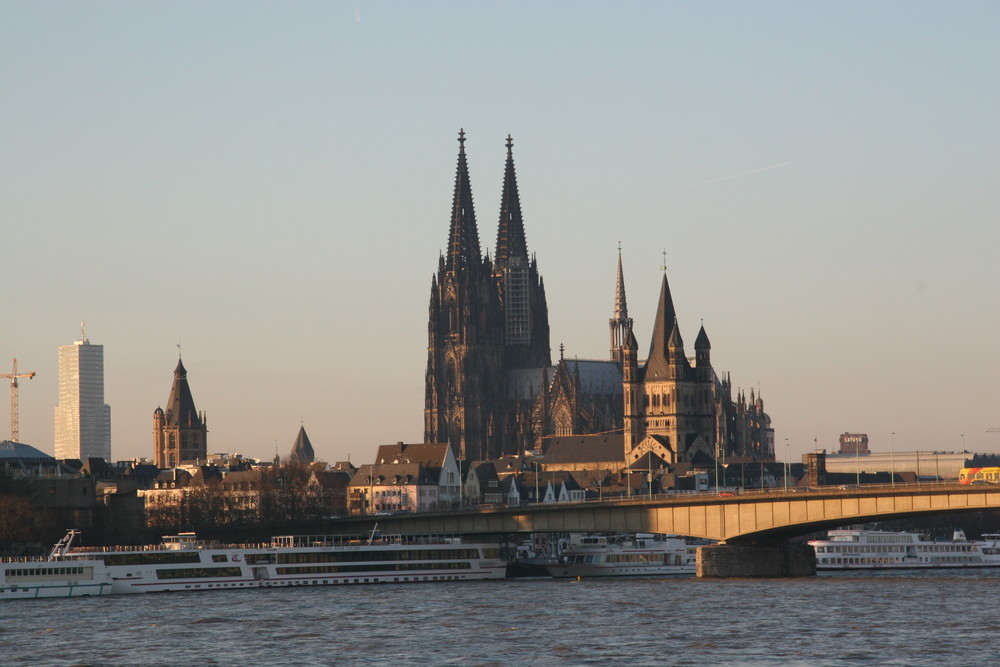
979 476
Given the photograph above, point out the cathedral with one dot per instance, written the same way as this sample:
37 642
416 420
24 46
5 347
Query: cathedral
491 388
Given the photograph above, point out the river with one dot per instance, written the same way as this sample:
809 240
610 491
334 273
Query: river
869 618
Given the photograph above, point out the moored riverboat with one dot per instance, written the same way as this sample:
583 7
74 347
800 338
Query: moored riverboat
184 563
25 578
878 549
642 554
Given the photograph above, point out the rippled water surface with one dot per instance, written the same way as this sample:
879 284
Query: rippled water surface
887 618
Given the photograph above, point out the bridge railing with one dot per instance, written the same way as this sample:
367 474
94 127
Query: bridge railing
721 494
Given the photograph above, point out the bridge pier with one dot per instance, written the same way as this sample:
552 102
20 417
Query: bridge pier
777 559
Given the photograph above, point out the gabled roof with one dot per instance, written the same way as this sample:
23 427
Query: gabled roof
588 479
431 455
97 467
483 470
601 448
597 376
394 474
507 465
330 479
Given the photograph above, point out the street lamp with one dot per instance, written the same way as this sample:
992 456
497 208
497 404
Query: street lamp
857 461
716 467
649 475
892 458
786 465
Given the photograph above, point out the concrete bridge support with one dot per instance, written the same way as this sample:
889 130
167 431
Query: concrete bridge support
774 559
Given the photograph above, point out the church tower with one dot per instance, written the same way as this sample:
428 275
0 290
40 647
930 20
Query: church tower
180 434
671 401
464 380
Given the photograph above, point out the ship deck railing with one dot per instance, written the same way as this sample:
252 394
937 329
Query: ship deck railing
280 542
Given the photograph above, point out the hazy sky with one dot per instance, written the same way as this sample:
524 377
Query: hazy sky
269 185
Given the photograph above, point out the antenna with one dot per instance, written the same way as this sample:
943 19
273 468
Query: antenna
664 266
83 332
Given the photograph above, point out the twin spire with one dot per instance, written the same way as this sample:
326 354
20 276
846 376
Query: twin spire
463 242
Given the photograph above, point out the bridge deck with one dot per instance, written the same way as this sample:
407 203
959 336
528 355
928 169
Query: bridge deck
749 515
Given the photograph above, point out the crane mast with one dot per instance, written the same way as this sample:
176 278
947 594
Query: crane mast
13 397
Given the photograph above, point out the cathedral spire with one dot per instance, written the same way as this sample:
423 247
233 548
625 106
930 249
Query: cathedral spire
463 239
510 232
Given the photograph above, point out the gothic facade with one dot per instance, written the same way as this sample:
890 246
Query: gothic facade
490 387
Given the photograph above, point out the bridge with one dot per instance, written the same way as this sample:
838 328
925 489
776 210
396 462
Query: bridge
756 524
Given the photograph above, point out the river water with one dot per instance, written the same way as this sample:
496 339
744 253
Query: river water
871 618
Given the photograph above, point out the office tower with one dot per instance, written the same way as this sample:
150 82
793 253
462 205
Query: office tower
82 419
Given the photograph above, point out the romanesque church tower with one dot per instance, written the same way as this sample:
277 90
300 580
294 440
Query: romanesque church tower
668 399
180 434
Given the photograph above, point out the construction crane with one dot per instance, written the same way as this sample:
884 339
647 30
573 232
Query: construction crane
13 397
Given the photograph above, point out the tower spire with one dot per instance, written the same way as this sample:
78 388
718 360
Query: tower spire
621 323
621 306
510 232
463 241
663 328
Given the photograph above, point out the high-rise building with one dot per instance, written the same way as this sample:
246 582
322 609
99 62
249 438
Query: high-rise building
82 418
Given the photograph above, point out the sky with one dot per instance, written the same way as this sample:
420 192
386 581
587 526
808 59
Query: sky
268 186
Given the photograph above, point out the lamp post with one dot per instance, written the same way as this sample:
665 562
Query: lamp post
716 467
536 481
649 475
857 461
892 458
786 465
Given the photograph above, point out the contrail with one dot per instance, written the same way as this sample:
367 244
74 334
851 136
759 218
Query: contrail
726 178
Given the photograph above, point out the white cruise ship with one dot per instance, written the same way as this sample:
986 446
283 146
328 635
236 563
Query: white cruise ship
183 563
877 549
